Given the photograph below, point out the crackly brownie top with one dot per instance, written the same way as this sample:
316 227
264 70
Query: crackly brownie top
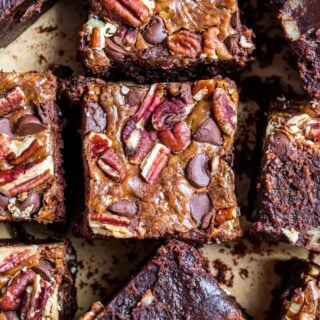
157 159
173 285
165 33
27 144
32 278
288 200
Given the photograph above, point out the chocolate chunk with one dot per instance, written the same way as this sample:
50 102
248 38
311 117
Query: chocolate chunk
29 125
209 132
5 127
280 143
33 201
95 119
200 205
155 32
125 208
114 50
135 96
197 171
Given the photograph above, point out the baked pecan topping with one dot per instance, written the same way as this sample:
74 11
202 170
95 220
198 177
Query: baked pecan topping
11 101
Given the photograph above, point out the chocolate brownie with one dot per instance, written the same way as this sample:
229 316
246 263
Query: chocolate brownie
298 296
164 40
301 23
157 159
31 174
37 281
288 199
18 15
174 284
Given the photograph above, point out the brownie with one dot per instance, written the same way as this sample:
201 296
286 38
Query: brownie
164 40
174 284
288 199
31 174
157 159
18 15
37 281
298 295
301 24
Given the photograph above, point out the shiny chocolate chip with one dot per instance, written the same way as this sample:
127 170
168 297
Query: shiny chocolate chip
95 119
209 132
197 171
28 125
200 206
114 50
5 127
125 208
32 201
155 32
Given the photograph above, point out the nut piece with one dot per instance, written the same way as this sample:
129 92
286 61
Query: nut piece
209 132
5 127
185 43
11 101
95 120
225 111
177 139
155 32
29 125
314 133
197 171
98 39
154 163
203 89
130 12
125 208
112 165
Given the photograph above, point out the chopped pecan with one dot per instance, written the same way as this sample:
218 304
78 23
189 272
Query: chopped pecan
112 165
176 139
98 39
11 300
203 89
110 219
98 144
154 163
224 215
185 43
314 132
168 114
225 111
130 12
11 101
95 309
15 259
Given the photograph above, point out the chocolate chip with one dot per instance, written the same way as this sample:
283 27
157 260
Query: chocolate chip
5 127
280 143
200 205
155 32
95 119
209 132
126 208
135 96
114 50
197 171
29 125
4 201
32 201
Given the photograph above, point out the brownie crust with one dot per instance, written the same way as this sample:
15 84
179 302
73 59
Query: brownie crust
16 16
174 284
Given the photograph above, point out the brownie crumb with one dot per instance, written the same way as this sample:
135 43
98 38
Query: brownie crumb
244 273
224 273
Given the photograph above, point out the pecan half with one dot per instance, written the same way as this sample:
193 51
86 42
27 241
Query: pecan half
168 114
130 12
225 111
185 43
154 163
11 101
15 259
112 165
110 219
11 300
177 139
98 144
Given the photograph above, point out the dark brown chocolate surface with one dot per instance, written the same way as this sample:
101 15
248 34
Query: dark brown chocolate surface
31 174
174 284
167 39
17 15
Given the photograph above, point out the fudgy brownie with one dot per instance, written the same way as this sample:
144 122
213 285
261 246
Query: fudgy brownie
301 23
31 174
166 39
174 284
17 15
157 160
288 201
37 281
298 296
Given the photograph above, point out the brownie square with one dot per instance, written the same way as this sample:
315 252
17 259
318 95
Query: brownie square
18 15
298 295
164 40
157 160
31 174
174 284
301 23
288 200
37 281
